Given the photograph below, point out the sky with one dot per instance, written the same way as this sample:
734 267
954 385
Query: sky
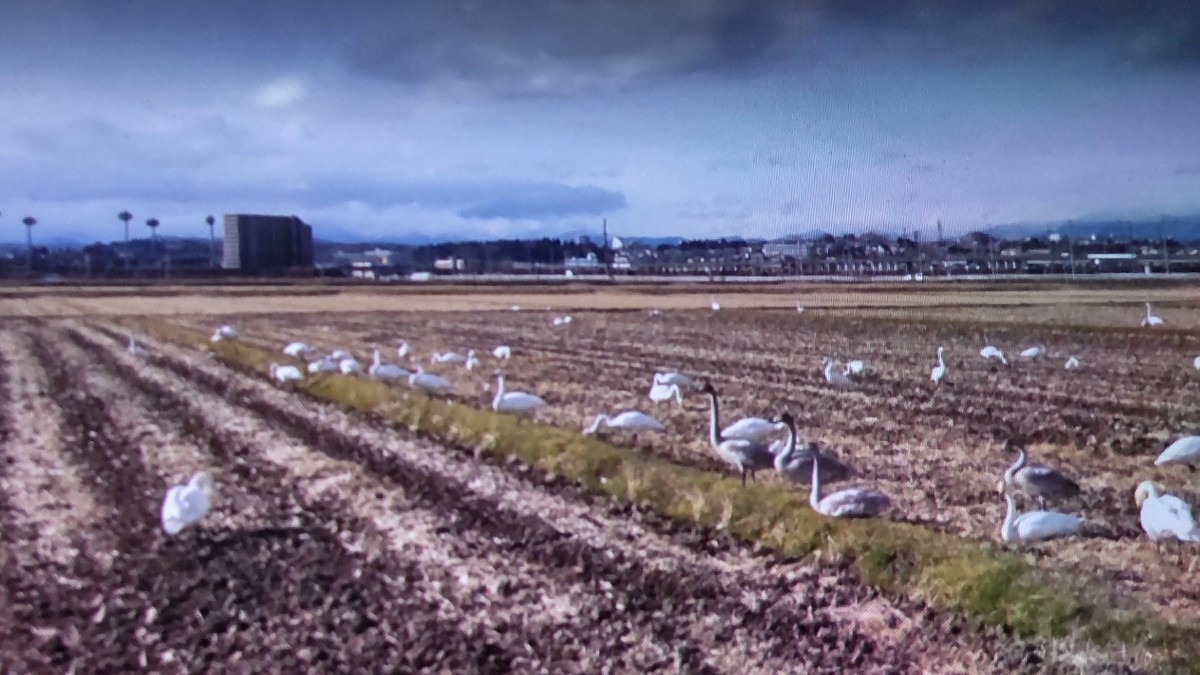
699 118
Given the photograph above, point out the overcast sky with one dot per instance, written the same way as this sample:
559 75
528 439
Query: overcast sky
689 117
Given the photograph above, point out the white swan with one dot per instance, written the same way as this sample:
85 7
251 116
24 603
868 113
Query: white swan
677 379
349 365
518 402
286 373
447 357
1185 450
1073 363
746 456
630 420
385 371
664 392
1034 352
134 347
502 352
939 371
1150 319
225 332
992 352
185 505
1037 480
324 365
297 349
846 503
428 382
716 306
799 307
1165 516
836 377
1036 525
796 466
1196 363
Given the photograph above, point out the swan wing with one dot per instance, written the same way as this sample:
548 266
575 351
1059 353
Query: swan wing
171 512
854 502
1046 524
1182 451
1167 515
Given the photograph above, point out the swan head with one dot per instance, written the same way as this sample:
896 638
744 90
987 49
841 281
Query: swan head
784 417
708 388
1145 490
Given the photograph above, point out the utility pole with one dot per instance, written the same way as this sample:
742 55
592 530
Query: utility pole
606 252
1162 221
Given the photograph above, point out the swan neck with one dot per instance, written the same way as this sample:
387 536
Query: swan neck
596 423
1016 466
814 497
714 427
1007 530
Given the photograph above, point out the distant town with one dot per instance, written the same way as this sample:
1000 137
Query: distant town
284 246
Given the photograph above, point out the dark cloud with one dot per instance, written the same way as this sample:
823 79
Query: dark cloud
547 47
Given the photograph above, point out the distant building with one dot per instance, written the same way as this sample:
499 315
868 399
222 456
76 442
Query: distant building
266 243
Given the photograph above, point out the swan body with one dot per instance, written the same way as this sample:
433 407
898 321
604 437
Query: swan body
1196 363
835 377
340 355
185 505
992 352
1150 319
134 347
1165 516
1033 352
324 365
562 320
677 379
448 357
752 429
349 365
1185 450
428 382
747 456
385 371
225 332
502 352
630 420
716 306
796 467
664 392
1037 480
297 349
1073 363
939 371
1037 525
286 373
856 367
515 401
846 503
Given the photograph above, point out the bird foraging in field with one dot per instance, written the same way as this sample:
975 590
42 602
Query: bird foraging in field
1185 450
992 352
795 465
225 332
630 420
1165 516
517 402
747 456
845 503
1037 480
134 348
186 505
1036 525
283 374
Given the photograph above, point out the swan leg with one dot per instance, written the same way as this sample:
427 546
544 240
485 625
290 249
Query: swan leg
743 478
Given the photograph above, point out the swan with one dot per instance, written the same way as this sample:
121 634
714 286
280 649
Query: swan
716 306
835 377
992 352
502 352
747 456
1185 450
1073 363
939 371
655 312
428 382
796 467
517 402
846 503
340 355
349 365
677 379
186 504
134 347
285 373
1150 319
799 307
385 371
856 367
1165 516
402 349
1034 352
324 365
664 392
297 349
752 429
225 332
1196 363
472 360
447 357
515 308
630 420
1036 525
1037 480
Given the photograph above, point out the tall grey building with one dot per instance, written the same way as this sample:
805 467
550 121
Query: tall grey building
266 243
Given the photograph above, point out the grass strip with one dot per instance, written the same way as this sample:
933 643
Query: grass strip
981 580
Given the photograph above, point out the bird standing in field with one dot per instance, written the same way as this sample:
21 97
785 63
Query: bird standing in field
939 371
795 465
1036 480
747 456
517 402
1150 320
187 504
284 374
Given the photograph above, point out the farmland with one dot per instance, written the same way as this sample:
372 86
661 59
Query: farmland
339 540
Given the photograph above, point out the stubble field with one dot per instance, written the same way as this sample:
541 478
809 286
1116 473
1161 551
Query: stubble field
340 541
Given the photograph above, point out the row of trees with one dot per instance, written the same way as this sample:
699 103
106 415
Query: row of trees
125 217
